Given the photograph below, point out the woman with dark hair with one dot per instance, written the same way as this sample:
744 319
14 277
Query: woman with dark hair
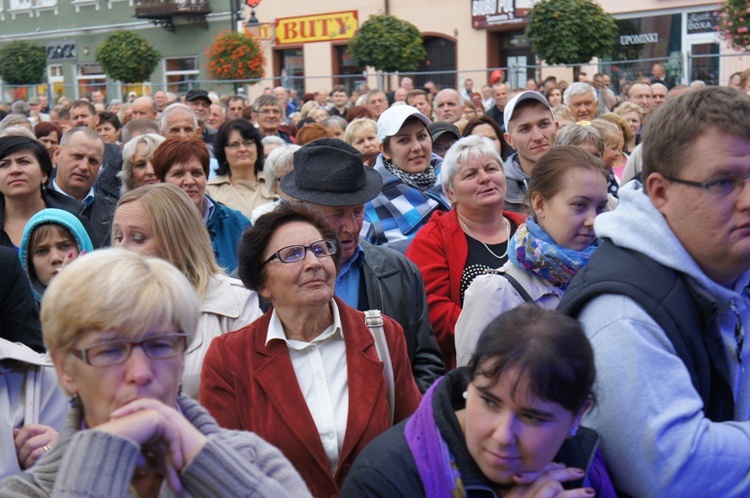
25 166
239 152
509 424
49 134
108 127
306 376
184 163
567 190
554 95
485 126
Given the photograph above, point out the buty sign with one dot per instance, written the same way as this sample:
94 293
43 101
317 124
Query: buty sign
317 28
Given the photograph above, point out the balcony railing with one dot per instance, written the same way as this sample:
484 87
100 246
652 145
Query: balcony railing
161 12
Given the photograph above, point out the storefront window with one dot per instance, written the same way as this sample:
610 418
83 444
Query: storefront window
291 68
56 80
349 74
180 73
91 77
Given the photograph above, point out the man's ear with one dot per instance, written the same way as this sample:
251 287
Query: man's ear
657 189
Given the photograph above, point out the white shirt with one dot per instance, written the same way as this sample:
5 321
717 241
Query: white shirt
320 366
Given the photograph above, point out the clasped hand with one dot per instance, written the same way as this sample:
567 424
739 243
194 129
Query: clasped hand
167 439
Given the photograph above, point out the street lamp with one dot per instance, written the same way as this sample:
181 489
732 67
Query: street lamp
253 21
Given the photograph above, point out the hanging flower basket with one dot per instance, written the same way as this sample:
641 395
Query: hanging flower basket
235 56
734 23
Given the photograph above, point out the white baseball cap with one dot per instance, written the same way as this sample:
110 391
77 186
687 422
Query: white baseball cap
511 106
393 118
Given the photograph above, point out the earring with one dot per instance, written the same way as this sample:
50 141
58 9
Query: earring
466 394
75 401
573 431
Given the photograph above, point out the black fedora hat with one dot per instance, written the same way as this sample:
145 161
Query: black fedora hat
331 172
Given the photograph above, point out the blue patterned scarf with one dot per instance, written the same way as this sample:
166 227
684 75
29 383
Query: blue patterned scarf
532 249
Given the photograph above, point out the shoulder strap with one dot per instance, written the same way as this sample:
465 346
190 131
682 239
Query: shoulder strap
516 285
374 321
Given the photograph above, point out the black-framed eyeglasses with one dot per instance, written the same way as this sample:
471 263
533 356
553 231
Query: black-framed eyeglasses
292 254
106 354
724 185
236 145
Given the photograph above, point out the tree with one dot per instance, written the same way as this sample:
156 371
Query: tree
127 57
235 56
22 63
388 44
570 31
735 23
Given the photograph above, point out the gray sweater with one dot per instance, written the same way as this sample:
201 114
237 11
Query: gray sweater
89 463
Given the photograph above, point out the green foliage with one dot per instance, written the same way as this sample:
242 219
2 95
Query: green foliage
735 23
388 44
22 63
235 56
570 31
127 57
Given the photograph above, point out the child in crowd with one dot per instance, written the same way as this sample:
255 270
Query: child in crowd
52 239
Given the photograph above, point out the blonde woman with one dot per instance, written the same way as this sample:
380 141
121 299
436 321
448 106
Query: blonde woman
159 220
137 169
362 134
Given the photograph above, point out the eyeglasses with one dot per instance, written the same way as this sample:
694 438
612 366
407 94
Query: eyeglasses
106 354
266 112
292 254
724 185
236 145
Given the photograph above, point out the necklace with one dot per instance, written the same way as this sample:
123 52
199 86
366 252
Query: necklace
507 240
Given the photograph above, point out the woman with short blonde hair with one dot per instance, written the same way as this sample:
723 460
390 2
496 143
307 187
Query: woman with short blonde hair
137 169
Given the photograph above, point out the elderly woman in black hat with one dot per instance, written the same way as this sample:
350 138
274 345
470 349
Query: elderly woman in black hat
308 376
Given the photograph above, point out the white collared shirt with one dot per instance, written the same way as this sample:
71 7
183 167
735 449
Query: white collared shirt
86 200
320 366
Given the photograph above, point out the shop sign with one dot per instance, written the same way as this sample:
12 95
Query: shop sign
317 28
62 51
260 31
493 13
702 22
639 39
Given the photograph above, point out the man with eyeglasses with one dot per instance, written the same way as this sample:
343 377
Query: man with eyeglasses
665 302
268 114
329 175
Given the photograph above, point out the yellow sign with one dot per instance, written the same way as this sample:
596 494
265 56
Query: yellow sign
260 31
317 28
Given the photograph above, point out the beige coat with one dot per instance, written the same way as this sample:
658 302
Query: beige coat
244 196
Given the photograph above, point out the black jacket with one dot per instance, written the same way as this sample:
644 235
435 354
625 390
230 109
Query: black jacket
19 316
685 313
394 285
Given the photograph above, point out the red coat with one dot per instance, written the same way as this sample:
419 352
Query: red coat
440 251
249 386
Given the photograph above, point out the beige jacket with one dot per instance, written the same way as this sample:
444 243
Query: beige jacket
243 196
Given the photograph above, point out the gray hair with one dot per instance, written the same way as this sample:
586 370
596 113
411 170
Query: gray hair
579 88
151 141
137 127
20 107
14 121
272 140
278 163
576 134
464 150
446 91
172 109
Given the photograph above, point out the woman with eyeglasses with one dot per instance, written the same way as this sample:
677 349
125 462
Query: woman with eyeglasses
117 326
239 182
160 221
306 376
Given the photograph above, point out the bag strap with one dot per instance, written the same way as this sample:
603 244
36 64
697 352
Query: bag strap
374 321
33 394
517 286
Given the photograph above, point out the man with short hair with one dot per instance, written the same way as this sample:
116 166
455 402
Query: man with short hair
407 84
340 101
137 127
143 108
78 159
83 115
531 131
659 93
160 100
282 94
376 102
582 100
97 97
215 116
328 173
449 106
641 95
235 106
500 99
420 100
468 88
664 302
268 112
399 94
199 103
487 100
659 73
178 120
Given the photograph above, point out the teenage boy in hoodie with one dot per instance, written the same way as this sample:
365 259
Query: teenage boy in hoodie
664 301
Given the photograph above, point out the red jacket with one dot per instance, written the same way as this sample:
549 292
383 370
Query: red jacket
440 251
249 386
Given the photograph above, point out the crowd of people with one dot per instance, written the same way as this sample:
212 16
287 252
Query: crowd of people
440 292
